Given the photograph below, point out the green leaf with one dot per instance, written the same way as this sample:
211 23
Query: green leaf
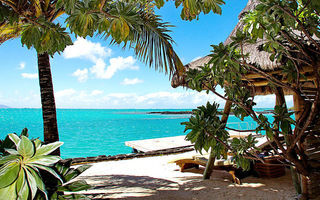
31 182
74 186
8 193
12 151
24 132
9 173
15 139
9 158
48 169
25 147
37 143
22 186
45 160
74 196
39 182
48 148
73 173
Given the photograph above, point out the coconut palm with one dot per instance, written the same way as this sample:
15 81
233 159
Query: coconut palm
130 23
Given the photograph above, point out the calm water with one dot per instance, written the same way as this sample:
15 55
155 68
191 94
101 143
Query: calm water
91 132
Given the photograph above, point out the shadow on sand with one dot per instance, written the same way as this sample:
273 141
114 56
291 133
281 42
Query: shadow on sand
190 188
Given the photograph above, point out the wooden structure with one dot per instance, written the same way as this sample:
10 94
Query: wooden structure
166 143
258 84
158 144
271 168
195 161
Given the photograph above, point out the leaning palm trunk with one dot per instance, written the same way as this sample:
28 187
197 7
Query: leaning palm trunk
50 127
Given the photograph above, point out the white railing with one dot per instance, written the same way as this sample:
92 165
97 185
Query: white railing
250 126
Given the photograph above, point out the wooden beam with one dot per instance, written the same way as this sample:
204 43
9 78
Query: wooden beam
265 82
254 75
298 106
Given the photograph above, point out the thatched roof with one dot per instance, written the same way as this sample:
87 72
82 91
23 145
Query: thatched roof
256 56
261 58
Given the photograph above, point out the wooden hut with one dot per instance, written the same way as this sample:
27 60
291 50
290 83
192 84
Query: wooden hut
310 143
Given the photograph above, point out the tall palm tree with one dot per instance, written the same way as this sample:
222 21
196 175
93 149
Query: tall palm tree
131 23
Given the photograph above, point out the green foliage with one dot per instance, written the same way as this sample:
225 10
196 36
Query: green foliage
208 132
286 30
132 23
192 8
24 163
205 126
67 175
50 38
241 146
7 143
20 169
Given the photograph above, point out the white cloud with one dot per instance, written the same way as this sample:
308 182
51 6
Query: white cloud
269 101
65 93
22 65
96 92
128 81
96 53
29 75
82 75
83 48
71 98
119 63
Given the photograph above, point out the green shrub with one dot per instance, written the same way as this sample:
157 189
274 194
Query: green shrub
25 166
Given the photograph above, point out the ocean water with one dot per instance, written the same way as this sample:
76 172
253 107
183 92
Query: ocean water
93 132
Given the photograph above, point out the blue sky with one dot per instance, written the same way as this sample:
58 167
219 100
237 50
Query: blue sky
92 74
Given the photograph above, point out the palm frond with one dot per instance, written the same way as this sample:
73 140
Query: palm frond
9 31
153 45
139 28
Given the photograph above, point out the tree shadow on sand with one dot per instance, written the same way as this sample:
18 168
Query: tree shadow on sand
131 187
124 186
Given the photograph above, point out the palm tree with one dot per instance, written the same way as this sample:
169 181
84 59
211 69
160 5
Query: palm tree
133 24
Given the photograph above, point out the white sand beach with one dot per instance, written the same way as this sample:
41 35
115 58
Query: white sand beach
155 178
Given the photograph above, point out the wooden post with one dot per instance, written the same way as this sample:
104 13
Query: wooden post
298 108
210 164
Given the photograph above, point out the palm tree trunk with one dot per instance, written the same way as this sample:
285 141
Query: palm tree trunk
50 127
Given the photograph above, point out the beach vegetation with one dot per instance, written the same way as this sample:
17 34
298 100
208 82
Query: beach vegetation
24 164
288 32
133 24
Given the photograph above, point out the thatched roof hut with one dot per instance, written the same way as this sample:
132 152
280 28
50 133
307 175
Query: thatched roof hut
256 56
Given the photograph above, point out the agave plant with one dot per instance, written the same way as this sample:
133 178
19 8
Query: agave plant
20 170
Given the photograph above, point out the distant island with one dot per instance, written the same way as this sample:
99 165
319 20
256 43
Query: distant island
190 112
4 106
171 112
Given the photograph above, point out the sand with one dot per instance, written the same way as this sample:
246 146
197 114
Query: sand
155 178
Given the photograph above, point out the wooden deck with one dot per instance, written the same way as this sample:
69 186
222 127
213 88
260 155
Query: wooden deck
158 143
169 142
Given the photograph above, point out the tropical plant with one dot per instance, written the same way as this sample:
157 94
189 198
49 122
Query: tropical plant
25 164
7 143
20 170
207 132
132 22
68 188
288 31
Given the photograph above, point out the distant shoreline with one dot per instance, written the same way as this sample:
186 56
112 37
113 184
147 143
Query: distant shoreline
190 112
171 112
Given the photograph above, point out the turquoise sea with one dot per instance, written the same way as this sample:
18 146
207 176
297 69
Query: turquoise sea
92 132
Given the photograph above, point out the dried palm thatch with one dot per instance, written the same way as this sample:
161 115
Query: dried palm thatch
256 57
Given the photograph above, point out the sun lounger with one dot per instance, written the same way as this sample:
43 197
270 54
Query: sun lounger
228 165
195 161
